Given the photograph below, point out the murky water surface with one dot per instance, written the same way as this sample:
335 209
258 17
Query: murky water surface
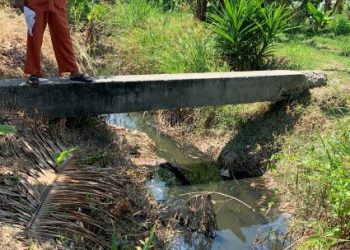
239 226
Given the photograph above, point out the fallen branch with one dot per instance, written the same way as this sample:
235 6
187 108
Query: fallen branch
222 194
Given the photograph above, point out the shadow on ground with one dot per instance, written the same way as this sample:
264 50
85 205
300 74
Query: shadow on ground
256 139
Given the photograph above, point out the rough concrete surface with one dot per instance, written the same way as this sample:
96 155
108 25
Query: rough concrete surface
120 94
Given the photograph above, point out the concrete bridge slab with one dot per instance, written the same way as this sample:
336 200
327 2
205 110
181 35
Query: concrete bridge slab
61 97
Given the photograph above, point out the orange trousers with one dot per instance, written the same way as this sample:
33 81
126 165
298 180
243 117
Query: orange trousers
56 18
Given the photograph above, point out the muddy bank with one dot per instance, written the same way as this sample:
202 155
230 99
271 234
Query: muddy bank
140 148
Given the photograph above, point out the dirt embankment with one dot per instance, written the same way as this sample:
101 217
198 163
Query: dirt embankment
141 148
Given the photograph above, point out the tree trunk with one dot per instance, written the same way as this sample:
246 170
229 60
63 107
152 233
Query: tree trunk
201 9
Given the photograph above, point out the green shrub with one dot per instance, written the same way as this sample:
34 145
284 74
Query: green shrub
340 25
246 30
319 17
78 10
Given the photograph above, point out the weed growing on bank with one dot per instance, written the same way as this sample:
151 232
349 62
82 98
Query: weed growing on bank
317 178
156 42
138 37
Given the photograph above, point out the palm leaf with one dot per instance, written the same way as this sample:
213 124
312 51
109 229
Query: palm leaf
49 202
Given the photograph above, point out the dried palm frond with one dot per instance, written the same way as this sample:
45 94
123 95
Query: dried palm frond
50 202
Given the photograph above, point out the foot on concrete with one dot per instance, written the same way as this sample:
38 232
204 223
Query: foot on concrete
80 77
33 80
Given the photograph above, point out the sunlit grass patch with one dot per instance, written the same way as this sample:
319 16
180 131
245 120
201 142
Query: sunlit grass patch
153 41
340 44
305 57
316 170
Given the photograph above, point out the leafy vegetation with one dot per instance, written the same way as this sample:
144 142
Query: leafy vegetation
319 181
340 25
246 31
7 130
63 156
320 17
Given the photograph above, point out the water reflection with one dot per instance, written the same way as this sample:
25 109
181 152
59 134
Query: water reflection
239 227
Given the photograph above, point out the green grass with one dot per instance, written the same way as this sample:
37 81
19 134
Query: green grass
151 41
338 44
313 163
327 53
305 57
315 169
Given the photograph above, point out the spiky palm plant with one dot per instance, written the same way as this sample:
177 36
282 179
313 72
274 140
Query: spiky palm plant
53 202
246 30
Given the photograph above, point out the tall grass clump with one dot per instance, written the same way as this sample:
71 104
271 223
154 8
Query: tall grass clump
246 31
125 16
150 40
340 25
317 175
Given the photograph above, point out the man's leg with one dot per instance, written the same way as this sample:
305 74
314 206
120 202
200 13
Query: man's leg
32 63
62 42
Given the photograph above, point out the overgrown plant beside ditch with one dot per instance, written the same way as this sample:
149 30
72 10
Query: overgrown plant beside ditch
246 31
317 175
151 41
138 37
319 16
